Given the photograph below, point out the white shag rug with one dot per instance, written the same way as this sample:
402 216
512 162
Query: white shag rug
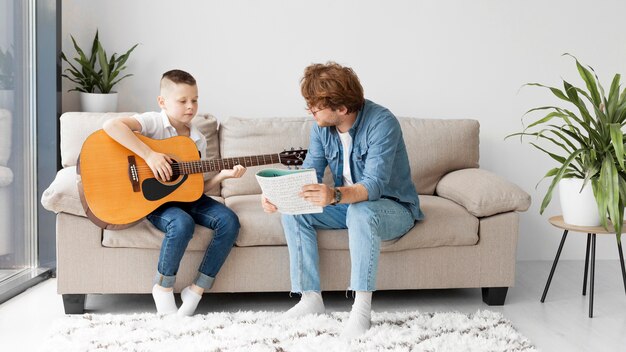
267 331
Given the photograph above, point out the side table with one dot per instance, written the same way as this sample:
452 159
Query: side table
591 231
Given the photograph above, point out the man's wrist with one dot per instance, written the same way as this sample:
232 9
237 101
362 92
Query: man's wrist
337 195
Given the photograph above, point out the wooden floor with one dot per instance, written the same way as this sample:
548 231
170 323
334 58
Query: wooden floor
559 324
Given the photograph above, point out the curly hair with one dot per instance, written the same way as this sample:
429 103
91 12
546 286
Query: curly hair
332 86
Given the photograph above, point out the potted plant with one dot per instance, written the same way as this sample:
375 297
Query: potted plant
7 79
587 142
95 75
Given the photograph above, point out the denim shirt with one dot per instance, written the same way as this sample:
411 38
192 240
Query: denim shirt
378 160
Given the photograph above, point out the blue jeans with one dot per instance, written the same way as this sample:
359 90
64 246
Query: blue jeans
368 223
178 221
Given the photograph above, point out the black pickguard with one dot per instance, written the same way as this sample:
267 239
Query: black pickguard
154 190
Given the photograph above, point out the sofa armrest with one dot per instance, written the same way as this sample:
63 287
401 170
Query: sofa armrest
482 192
62 195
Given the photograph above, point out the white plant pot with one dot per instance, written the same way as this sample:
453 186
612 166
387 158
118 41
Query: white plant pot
98 102
579 207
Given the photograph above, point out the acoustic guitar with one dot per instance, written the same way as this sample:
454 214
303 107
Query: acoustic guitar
117 187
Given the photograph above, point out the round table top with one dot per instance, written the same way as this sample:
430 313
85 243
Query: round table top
558 222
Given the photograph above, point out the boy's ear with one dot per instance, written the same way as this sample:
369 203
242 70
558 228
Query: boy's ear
161 101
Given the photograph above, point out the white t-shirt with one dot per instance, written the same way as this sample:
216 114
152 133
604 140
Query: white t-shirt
156 125
346 142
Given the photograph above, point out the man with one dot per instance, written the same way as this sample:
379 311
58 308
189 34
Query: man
374 197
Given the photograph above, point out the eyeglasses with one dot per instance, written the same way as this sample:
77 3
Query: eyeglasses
313 112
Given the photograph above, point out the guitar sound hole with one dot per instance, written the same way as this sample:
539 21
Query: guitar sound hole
175 171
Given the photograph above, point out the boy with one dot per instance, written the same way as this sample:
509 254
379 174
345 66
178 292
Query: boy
178 100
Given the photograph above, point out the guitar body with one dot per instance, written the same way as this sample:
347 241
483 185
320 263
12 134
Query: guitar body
118 193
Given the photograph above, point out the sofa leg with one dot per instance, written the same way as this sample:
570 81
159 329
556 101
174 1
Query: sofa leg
74 303
494 296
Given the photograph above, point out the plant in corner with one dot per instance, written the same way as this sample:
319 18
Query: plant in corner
586 141
96 72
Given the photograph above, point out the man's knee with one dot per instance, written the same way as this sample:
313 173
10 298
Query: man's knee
361 213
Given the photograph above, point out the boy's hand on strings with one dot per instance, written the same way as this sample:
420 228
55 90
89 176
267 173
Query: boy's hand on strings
235 172
160 164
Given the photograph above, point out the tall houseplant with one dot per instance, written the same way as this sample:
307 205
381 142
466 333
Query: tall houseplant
587 141
96 72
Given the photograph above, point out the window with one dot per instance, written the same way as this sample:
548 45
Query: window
19 113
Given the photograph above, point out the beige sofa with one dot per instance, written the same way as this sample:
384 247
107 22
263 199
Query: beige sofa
468 238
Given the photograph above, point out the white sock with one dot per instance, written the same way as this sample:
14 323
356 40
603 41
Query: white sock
360 316
310 303
164 300
190 302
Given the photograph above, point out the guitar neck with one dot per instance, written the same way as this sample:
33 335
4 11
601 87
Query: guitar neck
201 166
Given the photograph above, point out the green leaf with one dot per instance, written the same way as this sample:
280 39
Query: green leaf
609 190
554 91
617 140
613 101
590 81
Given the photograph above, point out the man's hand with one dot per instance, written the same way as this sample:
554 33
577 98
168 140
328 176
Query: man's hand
318 194
236 172
268 207
159 163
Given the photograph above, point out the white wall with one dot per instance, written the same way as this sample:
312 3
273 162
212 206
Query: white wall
428 59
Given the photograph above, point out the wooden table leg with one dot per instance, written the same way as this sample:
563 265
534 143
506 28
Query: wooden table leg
556 260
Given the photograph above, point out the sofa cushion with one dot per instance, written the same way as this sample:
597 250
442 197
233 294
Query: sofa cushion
482 192
62 194
145 235
446 224
437 147
245 136
5 136
257 227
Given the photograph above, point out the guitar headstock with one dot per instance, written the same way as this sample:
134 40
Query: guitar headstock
293 157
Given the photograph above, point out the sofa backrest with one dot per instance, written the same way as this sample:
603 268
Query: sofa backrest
77 126
435 147
246 136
